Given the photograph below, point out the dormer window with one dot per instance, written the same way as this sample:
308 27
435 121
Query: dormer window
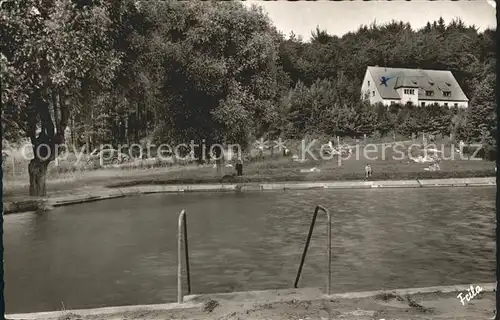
447 93
431 82
414 82
448 84
429 93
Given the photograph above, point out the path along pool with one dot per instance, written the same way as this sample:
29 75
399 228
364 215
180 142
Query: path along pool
123 251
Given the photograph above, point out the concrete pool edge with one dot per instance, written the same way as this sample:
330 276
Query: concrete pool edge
197 301
102 311
107 193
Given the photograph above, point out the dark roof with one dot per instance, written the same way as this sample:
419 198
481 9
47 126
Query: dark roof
436 81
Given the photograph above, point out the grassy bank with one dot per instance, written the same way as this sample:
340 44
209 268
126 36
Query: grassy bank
280 176
252 174
385 164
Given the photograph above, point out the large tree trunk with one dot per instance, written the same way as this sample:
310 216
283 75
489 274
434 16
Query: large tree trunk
38 177
45 145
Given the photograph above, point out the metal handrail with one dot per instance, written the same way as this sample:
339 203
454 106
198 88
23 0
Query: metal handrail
182 227
328 247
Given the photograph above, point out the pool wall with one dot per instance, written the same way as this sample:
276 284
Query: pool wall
110 193
269 296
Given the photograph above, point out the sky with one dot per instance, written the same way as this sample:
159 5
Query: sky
339 18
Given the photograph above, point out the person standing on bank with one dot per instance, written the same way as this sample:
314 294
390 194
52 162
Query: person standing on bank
239 167
368 171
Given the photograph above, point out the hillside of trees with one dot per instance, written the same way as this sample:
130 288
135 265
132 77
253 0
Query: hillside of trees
125 71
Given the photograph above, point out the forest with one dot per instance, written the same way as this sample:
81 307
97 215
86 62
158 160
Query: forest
126 71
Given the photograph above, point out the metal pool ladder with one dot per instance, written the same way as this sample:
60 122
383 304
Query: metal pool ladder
328 247
182 231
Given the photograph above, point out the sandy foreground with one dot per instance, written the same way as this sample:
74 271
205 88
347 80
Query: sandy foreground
290 305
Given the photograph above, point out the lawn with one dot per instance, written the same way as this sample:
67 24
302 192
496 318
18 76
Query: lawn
388 163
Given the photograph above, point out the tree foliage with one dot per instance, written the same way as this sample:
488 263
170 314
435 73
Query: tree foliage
54 56
467 53
123 70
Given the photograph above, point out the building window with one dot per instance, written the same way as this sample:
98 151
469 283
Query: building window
368 82
446 104
409 104
393 102
409 91
374 93
447 93
456 105
429 93
423 104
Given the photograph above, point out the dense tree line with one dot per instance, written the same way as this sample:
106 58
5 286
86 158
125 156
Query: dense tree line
124 71
326 75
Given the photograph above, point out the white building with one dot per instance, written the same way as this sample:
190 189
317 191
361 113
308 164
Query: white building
412 86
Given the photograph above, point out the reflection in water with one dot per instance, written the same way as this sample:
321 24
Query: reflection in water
123 251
